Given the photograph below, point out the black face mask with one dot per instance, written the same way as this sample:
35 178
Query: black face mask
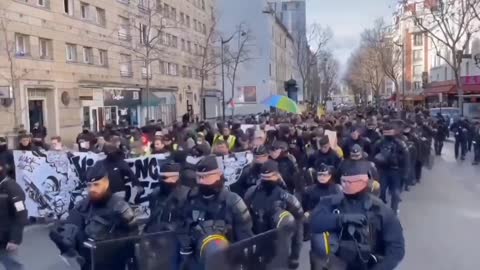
3 148
268 185
38 143
389 137
209 190
85 131
166 188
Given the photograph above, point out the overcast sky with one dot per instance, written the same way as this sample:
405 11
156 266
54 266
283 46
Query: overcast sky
347 19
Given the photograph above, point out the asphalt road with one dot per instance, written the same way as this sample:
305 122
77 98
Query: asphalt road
440 217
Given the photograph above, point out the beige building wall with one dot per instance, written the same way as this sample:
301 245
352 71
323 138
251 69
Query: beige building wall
64 87
283 46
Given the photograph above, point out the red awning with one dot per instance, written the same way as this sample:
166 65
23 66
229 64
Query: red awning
471 89
435 90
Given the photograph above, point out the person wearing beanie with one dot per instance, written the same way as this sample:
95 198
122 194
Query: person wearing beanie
99 216
267 199
341 223
167 200
210 202
325 155
288 166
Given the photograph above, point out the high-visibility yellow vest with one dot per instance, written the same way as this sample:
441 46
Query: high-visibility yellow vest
230 140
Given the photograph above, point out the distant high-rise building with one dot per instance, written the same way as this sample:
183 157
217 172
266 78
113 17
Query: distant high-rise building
293 14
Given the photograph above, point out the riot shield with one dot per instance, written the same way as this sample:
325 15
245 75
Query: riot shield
141 252
269 250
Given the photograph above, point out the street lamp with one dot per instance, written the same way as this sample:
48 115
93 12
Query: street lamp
225 41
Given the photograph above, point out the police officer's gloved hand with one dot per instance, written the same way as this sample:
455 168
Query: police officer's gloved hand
354 219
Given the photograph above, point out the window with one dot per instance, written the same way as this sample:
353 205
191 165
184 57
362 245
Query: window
182 18
417 71
46 48
41 3
417 85
183 44
143 34
190 72
195 24
146 71
203 4
284 6
125 65
84 7
418 39
124 31
204 30
195 51
68 7
417 55
22 45
189 46
172 69
467 68
100 16
88 55
71 52
169 40
173 14
159 6
418 21
174 42
163 67
102 58
166 9
184 71
187 20
142 5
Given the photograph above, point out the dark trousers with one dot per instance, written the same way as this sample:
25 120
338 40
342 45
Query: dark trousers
391 180
469 144
460 146
418 170
438 145
476 151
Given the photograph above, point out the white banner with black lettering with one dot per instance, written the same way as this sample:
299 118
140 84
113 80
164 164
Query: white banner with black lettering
54 181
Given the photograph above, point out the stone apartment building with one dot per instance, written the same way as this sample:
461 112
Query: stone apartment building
75 62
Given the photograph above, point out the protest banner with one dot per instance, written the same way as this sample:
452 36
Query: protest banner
54 181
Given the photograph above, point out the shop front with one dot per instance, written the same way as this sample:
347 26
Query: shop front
120 105
445 93
159 106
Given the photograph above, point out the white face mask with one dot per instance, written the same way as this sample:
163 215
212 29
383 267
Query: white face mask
85 145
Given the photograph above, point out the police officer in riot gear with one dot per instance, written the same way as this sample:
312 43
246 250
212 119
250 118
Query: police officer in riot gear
272 206
355 230
371 132
214 216
167 200
13 218
391 157
460 130
476 144
356 138
101 216
323 186
412 142
359 158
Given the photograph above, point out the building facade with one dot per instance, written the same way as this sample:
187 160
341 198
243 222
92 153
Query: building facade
293 15
270 52
81 62
415 47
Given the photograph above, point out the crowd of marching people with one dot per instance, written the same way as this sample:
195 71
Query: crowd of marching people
325 178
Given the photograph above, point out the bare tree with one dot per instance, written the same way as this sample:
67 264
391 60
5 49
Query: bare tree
385 51
14 74
307 50
149 23
328 68
237 55
449 25
208 60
